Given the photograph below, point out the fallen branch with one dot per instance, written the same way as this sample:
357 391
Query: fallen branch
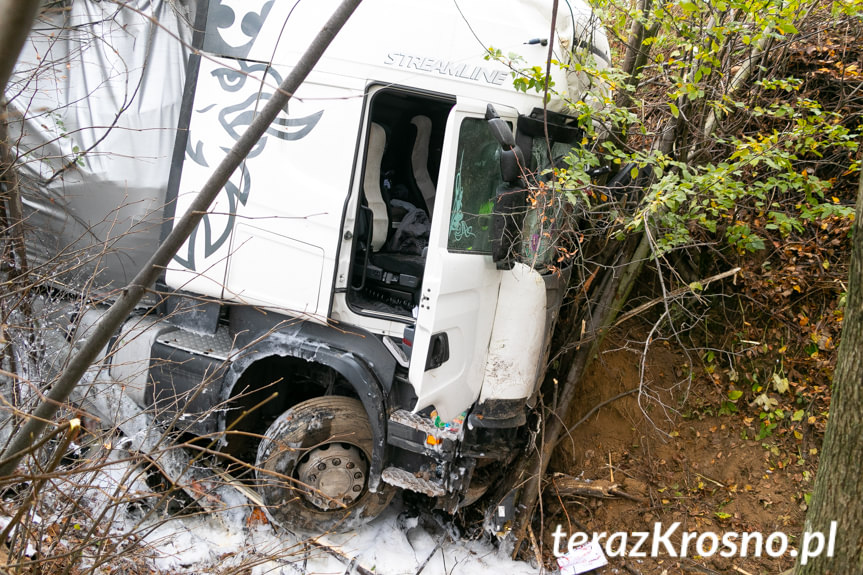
695 566
675 293
568 485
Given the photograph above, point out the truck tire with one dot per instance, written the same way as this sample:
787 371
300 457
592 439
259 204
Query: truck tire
312 467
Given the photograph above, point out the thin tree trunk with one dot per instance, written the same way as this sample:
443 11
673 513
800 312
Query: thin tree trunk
838 487
601 316
634 60
15 23
17 18
14 217
14 264
131 295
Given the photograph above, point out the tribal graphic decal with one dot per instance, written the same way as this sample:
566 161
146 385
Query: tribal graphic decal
234 119
234 25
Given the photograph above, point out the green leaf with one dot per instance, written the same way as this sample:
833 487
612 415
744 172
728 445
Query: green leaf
727 408
688 7
634 173
735 394
674 110
797 415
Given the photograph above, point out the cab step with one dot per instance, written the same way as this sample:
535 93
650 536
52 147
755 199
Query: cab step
426 425
406 480
218 346
419 434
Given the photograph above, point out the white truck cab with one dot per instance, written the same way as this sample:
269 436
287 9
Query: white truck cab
365 281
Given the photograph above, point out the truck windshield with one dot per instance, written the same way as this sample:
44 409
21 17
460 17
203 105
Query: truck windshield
477 179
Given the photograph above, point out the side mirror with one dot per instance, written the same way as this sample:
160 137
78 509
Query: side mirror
511 197
511 164
511 158
500 129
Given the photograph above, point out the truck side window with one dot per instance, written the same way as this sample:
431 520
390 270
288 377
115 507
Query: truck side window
477 179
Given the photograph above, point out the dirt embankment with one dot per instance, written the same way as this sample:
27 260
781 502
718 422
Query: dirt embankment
679 459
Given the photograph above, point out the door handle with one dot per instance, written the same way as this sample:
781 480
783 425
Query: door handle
438 351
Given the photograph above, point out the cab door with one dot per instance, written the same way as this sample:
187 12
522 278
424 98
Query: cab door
461 282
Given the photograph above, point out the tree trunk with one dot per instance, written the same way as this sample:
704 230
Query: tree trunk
18 16
838 487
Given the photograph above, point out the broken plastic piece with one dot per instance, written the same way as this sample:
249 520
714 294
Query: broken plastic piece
582 559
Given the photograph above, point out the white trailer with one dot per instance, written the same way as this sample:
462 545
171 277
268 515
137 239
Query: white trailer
365 271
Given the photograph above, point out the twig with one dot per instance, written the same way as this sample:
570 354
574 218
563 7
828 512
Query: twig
674 293
610 468
352 562
244 490
693 565
710 480
430 555
536 550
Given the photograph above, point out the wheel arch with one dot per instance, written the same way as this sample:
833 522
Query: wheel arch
360 358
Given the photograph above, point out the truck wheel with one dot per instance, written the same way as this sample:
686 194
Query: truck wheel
313 466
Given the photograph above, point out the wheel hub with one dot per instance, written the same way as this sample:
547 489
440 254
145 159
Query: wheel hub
333 473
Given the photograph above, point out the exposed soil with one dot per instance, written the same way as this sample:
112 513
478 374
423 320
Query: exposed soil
679 459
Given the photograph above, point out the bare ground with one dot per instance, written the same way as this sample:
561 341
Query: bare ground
679 460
